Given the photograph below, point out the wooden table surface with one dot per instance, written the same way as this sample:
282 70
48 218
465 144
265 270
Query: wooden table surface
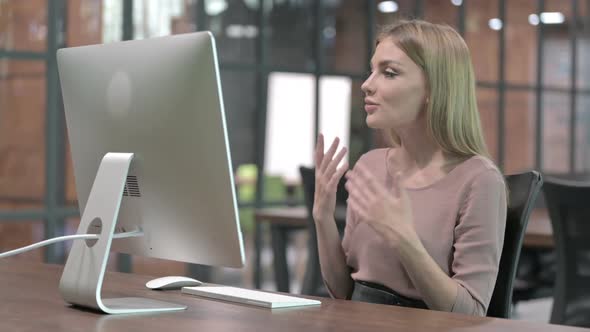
31 302
539 232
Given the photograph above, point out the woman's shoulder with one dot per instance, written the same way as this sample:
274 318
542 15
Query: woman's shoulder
374 156
480 170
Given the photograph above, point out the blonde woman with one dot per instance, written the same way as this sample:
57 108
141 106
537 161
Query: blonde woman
426 217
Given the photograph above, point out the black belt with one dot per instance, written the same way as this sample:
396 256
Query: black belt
365 291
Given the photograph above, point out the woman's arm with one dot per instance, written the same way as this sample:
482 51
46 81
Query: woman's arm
335 272
438 290
478 238
327 176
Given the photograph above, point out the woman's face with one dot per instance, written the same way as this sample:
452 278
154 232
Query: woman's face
395 91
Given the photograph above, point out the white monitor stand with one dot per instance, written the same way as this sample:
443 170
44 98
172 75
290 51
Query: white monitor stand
81 281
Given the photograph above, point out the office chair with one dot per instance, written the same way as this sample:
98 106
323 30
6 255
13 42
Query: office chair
522 192
569 211
312 280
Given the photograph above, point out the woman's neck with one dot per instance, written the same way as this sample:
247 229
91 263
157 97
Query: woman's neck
420 159
418 151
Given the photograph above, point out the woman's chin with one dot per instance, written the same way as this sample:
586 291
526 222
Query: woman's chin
373 123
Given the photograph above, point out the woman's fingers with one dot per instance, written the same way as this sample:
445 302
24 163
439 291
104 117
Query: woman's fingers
337 175
356 207
334 162
358 197
356 183
366 177
319 152
329 155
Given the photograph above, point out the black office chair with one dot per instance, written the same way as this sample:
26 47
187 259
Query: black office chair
522 192
568 203
312 281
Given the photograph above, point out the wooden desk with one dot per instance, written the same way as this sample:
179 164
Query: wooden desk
539 234
31 302
281 221
287 216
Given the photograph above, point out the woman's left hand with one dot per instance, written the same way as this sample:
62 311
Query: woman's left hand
389 214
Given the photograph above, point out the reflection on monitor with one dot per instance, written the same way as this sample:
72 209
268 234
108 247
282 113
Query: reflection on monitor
149 144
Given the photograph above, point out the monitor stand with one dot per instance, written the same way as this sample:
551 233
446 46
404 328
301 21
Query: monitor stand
83 274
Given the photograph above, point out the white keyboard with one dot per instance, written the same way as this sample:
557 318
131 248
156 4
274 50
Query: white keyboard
247 296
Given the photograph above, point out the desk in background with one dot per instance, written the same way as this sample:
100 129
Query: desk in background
539 234
281 220
31 302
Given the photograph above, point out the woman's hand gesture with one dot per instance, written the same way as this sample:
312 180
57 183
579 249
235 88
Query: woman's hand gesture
390 214
327 176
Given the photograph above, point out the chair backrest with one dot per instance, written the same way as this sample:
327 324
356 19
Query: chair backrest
568 203
308 180
312 279
523 190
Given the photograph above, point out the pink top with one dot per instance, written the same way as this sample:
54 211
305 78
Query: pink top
460 219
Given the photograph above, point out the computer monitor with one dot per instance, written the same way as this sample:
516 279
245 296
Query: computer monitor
149 143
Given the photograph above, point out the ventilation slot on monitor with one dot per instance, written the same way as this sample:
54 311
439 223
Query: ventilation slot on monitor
131 187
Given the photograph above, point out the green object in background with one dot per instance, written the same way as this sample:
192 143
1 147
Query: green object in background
246 190
274 191
246 181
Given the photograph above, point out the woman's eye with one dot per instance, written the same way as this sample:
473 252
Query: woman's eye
389 74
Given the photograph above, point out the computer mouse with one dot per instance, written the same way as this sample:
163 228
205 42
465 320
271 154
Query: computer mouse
172 282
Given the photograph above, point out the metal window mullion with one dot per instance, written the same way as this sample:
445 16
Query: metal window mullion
201 15
262 81
124 261
418 8
539 90
199 271
502 85
260 139
127 20
23 55
54 136
585 154
573 29
28 214
461 18
317 55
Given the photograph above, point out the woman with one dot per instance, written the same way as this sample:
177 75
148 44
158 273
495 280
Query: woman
426 218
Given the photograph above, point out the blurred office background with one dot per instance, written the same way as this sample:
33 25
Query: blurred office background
289 69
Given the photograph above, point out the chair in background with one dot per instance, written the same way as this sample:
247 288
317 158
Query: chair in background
568 203
522 192
312 281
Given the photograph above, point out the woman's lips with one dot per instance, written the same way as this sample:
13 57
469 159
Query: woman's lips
370 108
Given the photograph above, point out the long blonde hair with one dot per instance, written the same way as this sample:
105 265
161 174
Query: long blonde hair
451 111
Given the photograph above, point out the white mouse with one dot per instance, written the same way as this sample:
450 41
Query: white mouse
172 282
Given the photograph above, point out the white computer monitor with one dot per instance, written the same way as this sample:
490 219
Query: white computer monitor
148 138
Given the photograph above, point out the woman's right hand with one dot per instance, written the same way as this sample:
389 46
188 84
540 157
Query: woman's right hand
327 176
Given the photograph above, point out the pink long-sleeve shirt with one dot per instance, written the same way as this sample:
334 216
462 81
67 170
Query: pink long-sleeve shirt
460 220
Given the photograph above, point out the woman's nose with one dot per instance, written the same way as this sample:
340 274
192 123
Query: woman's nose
366 87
